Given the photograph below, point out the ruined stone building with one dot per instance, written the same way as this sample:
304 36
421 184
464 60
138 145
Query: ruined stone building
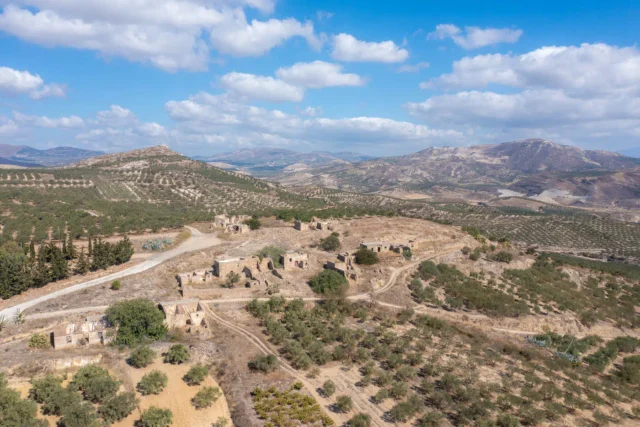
377 247
301 226
225 221
347 269
322 225
184 314
294 260
222 267
90 332
380 247
198 276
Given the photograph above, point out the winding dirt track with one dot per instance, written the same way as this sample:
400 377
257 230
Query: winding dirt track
197 241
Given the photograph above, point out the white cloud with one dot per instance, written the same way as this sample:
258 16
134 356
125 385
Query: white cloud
23 82
413 68
323 15
239 38
261 87
588 93
204 115
8 127
531 108
475 37
580 70
311 111
120 128
169 34
318 74
348 48
46 122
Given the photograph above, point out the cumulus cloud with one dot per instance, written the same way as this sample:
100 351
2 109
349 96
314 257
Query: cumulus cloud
168 34
311 111
239 38
570 93
349 49
205 114
475 37
119 128
263 88
46 122
318 74
413 68
582 70
23 82
8 127
531 108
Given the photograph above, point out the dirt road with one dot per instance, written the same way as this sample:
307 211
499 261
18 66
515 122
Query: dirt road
197 241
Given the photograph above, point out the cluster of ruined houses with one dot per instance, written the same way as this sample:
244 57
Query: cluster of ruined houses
254 269
189 314
346 264
183 314
231 223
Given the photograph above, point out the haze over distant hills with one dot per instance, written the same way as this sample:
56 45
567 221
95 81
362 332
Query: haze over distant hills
22 155
268 161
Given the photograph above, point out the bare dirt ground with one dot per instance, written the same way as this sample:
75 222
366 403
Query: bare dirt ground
176 397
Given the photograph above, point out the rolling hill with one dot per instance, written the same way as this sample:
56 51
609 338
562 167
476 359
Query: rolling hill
21 155
134 191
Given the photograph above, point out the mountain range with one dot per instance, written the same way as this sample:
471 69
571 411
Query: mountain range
24 156
528 168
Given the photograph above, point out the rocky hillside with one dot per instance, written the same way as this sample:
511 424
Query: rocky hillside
264 162
486 168
21 155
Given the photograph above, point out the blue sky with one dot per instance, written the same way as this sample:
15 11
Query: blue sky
206 76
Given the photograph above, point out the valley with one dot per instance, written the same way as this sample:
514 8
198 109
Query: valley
311 305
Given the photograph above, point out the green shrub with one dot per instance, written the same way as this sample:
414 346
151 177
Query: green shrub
264 363
116 285
206 397
95 383
329 283
39 341
360 420
196 374
42 388
156 417
141 357
502 256
344 404
80 414
331 243
137 321
430 419
366 257
118 407
177 355
328 388
406 410
152 383
253 223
